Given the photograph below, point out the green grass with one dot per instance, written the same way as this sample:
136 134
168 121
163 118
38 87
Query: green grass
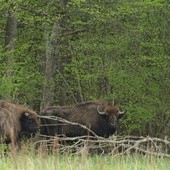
27 161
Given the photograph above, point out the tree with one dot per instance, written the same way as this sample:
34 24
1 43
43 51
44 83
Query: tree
9 49
76 50
53 39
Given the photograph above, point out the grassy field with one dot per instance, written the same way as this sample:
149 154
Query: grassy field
29 158
30 161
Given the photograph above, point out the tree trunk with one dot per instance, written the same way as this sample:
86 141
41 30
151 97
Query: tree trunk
52 56
10 38
52 52
9 48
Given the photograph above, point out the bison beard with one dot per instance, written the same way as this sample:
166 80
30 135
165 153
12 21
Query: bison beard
100 117
16 121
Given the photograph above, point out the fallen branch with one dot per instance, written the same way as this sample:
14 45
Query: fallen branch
115 145
118 145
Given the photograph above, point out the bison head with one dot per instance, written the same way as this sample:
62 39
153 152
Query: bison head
111 114
29 123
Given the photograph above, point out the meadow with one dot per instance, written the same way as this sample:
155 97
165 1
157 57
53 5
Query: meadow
67 162
28 159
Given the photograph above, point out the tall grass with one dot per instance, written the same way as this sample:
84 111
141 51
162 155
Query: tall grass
27 159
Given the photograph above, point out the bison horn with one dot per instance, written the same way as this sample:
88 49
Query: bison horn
26 114
122 112
101 113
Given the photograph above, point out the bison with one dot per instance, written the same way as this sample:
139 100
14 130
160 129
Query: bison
16 121
87 118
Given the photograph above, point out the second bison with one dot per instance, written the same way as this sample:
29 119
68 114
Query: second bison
100 117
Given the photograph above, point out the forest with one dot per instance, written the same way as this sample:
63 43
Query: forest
62 52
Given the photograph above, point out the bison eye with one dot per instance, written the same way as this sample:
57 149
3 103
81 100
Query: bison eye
106 117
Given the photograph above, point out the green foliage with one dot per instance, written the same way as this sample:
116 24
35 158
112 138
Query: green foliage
3 148
107 49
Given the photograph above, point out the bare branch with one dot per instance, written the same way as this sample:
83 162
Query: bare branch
115 146
68 122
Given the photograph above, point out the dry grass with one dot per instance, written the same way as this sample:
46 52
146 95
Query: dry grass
68 162
27 159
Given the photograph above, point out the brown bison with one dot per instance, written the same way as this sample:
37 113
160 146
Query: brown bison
16 121
99 117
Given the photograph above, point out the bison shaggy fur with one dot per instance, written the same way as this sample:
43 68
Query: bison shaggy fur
16 121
